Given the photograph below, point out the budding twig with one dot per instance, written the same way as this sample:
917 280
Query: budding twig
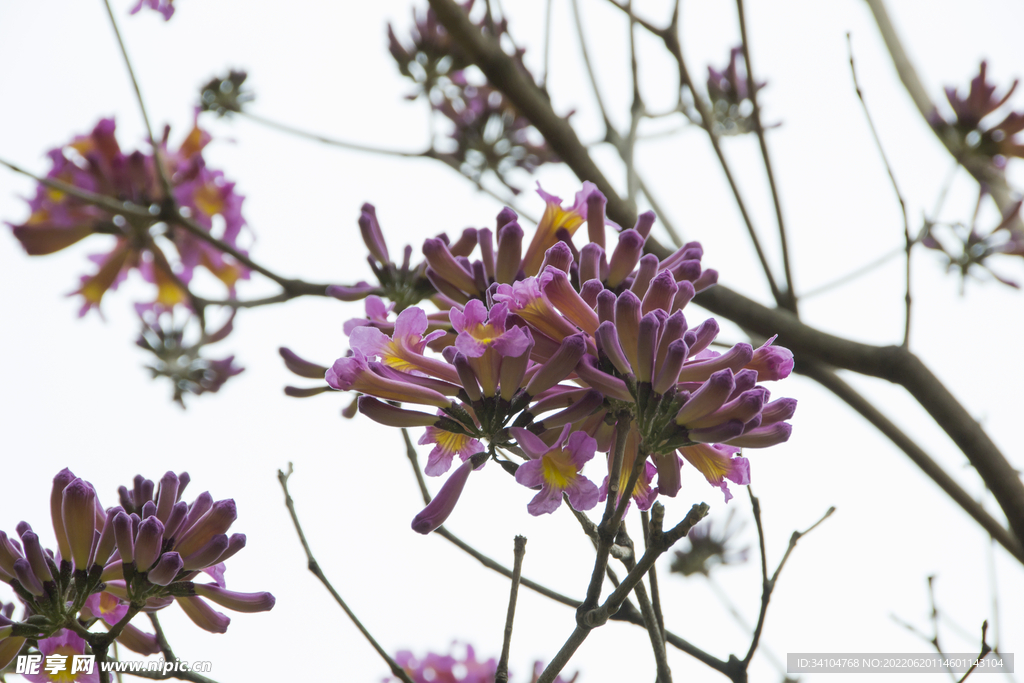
501 675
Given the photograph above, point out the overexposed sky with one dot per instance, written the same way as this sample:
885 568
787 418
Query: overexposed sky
75 393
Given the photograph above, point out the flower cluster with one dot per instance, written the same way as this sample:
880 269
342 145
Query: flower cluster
990 141
710 546
110 564
967 250
180 360
449 668
165 254
225 95
729 96
554 353
487 131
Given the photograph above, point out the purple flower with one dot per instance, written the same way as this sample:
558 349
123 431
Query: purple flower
439 509
556 470
105 606
164 7
59 652
448 445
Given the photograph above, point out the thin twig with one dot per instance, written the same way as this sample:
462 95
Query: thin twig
763 142
652 576
768 584
501 675
100 200
985 649
314 567
652 622
892 179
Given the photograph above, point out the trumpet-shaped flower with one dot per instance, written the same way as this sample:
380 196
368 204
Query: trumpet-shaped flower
557 470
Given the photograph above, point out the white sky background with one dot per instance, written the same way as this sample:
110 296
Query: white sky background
75 393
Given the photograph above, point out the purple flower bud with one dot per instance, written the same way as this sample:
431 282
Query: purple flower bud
513 369
510 253
166 568
763 437
107 541
444 264
708 278
595 217
591 260
718 433
239 602
465 245
217 521
709 398
590 291
669 473
771 362
555 284
204 616
208 555
559 365
625 257
668 372
613 387
743 408
559 256
590 401
124 537
35 556
148 510
299 366
167 495
734 359
235 543
660 294
505 216
675 326
627 324
148 543
389 415
78 515
467 377
745 381
175 520
438 510
356 292
608 346
648 269
683 296
486 239
60 482
139 641
372 235
23 572
9 552
644 223
687 271
778 411
646 346
606 306
705 334
446 288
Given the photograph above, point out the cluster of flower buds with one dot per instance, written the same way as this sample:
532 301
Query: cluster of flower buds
487 131
554 353
967 250
993 142
180 361
225 95
456 667
729 95
710 544
95 163
111 564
